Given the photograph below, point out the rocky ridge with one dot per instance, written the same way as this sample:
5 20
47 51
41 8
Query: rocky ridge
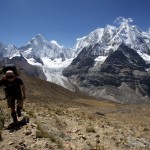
122 77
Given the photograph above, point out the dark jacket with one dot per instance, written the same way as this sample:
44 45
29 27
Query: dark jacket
12 88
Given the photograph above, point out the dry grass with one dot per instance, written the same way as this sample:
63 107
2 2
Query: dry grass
41 133
59 109
49 92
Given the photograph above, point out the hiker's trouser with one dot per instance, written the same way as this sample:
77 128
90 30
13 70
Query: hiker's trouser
11 100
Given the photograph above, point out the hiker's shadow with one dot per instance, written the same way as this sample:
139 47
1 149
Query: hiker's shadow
17 126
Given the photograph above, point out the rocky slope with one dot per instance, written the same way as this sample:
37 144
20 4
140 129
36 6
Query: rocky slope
122 77
113 63
62 120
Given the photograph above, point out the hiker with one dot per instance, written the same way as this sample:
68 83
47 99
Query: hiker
14 91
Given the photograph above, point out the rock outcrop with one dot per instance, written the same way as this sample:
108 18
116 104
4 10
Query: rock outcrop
23 65
123 77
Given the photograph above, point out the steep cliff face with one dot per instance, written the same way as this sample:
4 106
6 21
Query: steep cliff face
115 65
122 77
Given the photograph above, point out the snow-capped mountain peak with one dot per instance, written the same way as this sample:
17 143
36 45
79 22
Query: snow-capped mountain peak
37 40
39 47
39 37
98 44
9 51
108 39
91 39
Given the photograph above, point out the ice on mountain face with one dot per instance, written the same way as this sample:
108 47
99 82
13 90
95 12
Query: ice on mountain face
108 39
100 58
145 57
39 39
133 36
28 53
52 57
56 63
9 51
100 36
39 47
55 43
93 38
54 74
32 61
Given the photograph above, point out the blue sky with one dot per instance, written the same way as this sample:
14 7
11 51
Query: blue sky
65 20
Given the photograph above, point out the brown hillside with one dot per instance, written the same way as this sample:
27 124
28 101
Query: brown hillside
62 120
41 91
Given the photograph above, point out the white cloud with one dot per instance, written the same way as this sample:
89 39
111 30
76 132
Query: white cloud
120 20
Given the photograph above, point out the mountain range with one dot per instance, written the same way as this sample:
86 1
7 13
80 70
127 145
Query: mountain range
111 62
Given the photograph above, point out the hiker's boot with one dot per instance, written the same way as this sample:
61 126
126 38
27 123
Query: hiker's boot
19 111
14 117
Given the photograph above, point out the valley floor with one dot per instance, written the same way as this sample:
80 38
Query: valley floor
79 125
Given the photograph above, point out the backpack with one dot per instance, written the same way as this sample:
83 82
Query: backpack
12 67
